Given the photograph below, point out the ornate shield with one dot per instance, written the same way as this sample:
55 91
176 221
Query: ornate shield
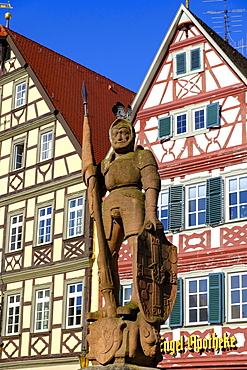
156 263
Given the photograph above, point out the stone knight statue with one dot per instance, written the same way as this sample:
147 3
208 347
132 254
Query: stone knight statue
129 177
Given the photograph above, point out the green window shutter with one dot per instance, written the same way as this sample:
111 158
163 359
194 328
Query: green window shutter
176 207
214 201
181 63
165 127
176 316
216 314
213 115
195 62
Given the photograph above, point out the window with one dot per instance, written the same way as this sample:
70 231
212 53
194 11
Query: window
15 235
238 296
198 119
188 61
74 305
18 155
196 196
204 298
163 209
125 293
44 225
13 314
42 309
75 214
20 90
181 123
189 121
46 146
237 197
198 300
204 204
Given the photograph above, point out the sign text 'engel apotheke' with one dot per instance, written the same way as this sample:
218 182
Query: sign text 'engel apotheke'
193 343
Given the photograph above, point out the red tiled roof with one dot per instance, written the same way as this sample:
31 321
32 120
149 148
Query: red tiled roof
62 80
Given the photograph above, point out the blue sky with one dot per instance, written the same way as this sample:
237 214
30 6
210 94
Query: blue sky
117 39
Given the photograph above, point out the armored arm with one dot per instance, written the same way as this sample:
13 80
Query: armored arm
150 183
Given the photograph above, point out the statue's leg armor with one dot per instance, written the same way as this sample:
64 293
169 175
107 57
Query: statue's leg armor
114 243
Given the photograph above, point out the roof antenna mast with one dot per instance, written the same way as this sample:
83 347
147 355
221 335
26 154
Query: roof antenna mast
225 17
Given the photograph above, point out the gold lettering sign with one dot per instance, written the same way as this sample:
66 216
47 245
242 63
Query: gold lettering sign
212 342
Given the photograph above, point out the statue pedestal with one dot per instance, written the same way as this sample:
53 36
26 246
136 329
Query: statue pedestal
119 341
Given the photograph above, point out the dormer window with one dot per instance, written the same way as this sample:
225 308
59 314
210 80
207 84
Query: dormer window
188 60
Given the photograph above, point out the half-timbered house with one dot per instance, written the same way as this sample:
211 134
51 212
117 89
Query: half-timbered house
191 112
46 247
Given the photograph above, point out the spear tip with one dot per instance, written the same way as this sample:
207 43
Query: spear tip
84 93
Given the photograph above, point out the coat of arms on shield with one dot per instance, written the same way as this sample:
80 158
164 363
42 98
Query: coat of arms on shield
156 274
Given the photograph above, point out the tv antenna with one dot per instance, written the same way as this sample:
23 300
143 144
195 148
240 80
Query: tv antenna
226 20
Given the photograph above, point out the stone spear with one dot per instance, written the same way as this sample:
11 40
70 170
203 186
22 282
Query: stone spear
89 173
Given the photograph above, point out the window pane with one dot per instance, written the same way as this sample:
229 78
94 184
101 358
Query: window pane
193 316
235 312
203 285
244 311
203 314
244 281
235 297
181 124
193 300
235 282
243 196
233 198
233 185
243 183
193 286
244 296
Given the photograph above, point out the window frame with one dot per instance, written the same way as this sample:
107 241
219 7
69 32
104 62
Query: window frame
186 299
227 198
190 129
187 226
17 83
229 290
35 289
187 51
43 132
68 199
124 285
160 205
8 294
15 143
8 239
67 283
38 208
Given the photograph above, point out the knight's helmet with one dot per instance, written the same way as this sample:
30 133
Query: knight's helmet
123 121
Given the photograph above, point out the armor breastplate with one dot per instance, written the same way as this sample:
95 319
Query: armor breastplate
122 172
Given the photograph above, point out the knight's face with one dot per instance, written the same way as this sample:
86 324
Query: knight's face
120 136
